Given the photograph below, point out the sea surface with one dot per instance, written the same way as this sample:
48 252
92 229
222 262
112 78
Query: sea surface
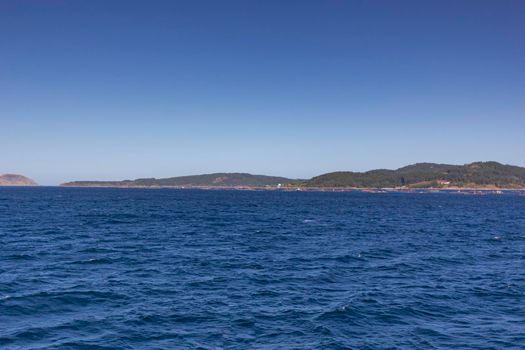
194 269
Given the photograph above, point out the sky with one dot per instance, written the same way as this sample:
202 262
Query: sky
112 90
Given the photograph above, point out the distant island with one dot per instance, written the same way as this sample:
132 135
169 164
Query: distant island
16 180
207 180
478 175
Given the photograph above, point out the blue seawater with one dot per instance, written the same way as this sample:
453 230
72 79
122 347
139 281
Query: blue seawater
191 269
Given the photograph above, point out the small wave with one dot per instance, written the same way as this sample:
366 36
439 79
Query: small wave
345 312
349 258
95 261
20 257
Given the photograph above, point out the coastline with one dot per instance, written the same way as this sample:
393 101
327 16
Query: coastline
472 190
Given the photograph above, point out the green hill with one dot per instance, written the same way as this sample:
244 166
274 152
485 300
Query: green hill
206 180
425 175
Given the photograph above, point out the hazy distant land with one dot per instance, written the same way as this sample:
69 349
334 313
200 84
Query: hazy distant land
16 180
478 175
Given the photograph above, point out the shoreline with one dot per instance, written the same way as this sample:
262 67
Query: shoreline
481 190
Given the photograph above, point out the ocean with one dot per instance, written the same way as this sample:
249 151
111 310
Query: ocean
195 269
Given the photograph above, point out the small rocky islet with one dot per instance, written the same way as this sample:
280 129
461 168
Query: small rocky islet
16 180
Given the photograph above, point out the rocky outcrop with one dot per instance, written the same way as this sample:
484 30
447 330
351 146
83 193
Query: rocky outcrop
16 180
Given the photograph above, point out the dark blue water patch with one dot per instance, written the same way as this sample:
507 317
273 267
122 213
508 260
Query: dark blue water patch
190 269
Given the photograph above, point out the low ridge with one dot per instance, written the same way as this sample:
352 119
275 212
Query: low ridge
205 180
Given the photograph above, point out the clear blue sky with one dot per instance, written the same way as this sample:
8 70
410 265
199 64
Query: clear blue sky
126 89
